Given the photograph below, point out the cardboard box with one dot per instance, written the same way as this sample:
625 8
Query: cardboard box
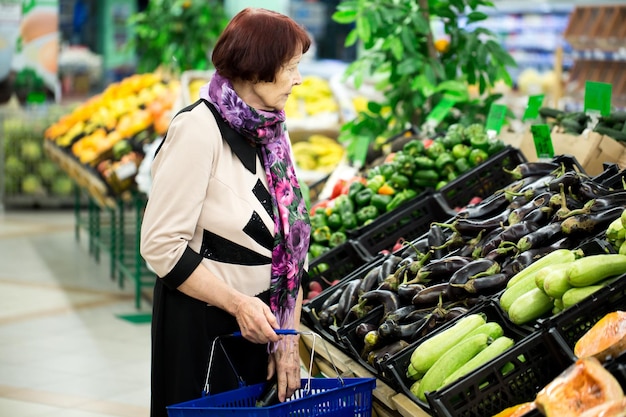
591 150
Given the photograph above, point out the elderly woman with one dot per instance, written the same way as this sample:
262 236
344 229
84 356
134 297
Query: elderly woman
226 228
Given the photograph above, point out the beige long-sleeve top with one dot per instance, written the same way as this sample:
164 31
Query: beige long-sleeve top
208 203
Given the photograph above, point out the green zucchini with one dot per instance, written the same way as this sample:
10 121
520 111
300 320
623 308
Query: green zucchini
491 329
427 352
540 276
495 349
592 269
558 256
511 294
530 306
577 294
613 133
556 282
449 362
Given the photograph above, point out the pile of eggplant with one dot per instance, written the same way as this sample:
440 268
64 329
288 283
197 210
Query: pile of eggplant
467 260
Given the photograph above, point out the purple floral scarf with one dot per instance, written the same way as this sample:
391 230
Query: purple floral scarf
291 218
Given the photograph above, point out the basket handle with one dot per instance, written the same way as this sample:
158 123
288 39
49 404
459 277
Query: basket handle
292 332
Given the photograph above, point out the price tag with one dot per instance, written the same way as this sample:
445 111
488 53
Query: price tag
495 119
532 109
598 97
440 112
543 141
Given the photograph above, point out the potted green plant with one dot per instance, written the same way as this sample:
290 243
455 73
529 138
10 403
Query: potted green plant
177 35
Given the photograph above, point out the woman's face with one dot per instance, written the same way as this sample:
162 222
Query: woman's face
273 96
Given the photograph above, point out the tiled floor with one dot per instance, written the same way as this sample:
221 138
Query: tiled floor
63 350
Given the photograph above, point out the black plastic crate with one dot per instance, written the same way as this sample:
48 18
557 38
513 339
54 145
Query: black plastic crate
513 378
395 368
336 264
483 180
407 222
310 311
575 321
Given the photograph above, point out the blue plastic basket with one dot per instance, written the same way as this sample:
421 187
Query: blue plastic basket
325 397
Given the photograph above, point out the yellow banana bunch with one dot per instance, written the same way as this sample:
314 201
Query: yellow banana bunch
312 97
318 153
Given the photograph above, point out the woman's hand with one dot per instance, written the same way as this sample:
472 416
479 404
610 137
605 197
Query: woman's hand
256 321
285 362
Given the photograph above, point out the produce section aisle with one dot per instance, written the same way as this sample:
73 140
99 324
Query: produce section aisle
64 352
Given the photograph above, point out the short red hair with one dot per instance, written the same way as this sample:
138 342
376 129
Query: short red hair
256 43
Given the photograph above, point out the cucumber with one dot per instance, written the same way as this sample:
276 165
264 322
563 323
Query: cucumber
427 352
558 256
577 294
449 362
491 329
530 306
556 281
495 349
413 374
595 268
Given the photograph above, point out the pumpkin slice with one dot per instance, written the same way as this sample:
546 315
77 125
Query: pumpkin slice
615 408
518 410
604 340
583 385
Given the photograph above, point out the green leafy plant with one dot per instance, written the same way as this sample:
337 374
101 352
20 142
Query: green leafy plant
413 70
177 35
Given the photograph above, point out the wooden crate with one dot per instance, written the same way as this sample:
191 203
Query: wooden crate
597 27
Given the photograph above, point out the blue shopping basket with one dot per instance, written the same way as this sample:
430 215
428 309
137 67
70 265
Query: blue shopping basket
328 397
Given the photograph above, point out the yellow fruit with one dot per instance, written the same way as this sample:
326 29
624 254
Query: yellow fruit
442 45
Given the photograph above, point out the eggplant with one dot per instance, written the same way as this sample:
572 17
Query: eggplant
370 280
486 285
539 216
348 299
431 295
540 237
388 299
406 292
441 269
510 234
470 227
590 223
326 317
380 355
590 190
435 240
570 181
415 248
400 313
333 298
529 169
464 274
391 329
542 200
490 205
388 267
362 329
528 257
455 312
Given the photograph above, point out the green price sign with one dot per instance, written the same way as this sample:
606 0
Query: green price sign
440 111
532 109
542 140
496 116
598 97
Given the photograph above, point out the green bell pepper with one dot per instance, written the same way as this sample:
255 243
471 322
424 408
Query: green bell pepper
316 250
334 221
401 198
375 182
427 174
318 219
363 197
461 151
424 162
380 201
440 185
480 141
366 213
413 147
462 165
387 169
343 204
349 221
321 235
405 164
399 181
354 188
336 239
435 149
443 161
477 157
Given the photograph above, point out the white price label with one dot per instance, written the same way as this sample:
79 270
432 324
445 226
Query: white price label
126 170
